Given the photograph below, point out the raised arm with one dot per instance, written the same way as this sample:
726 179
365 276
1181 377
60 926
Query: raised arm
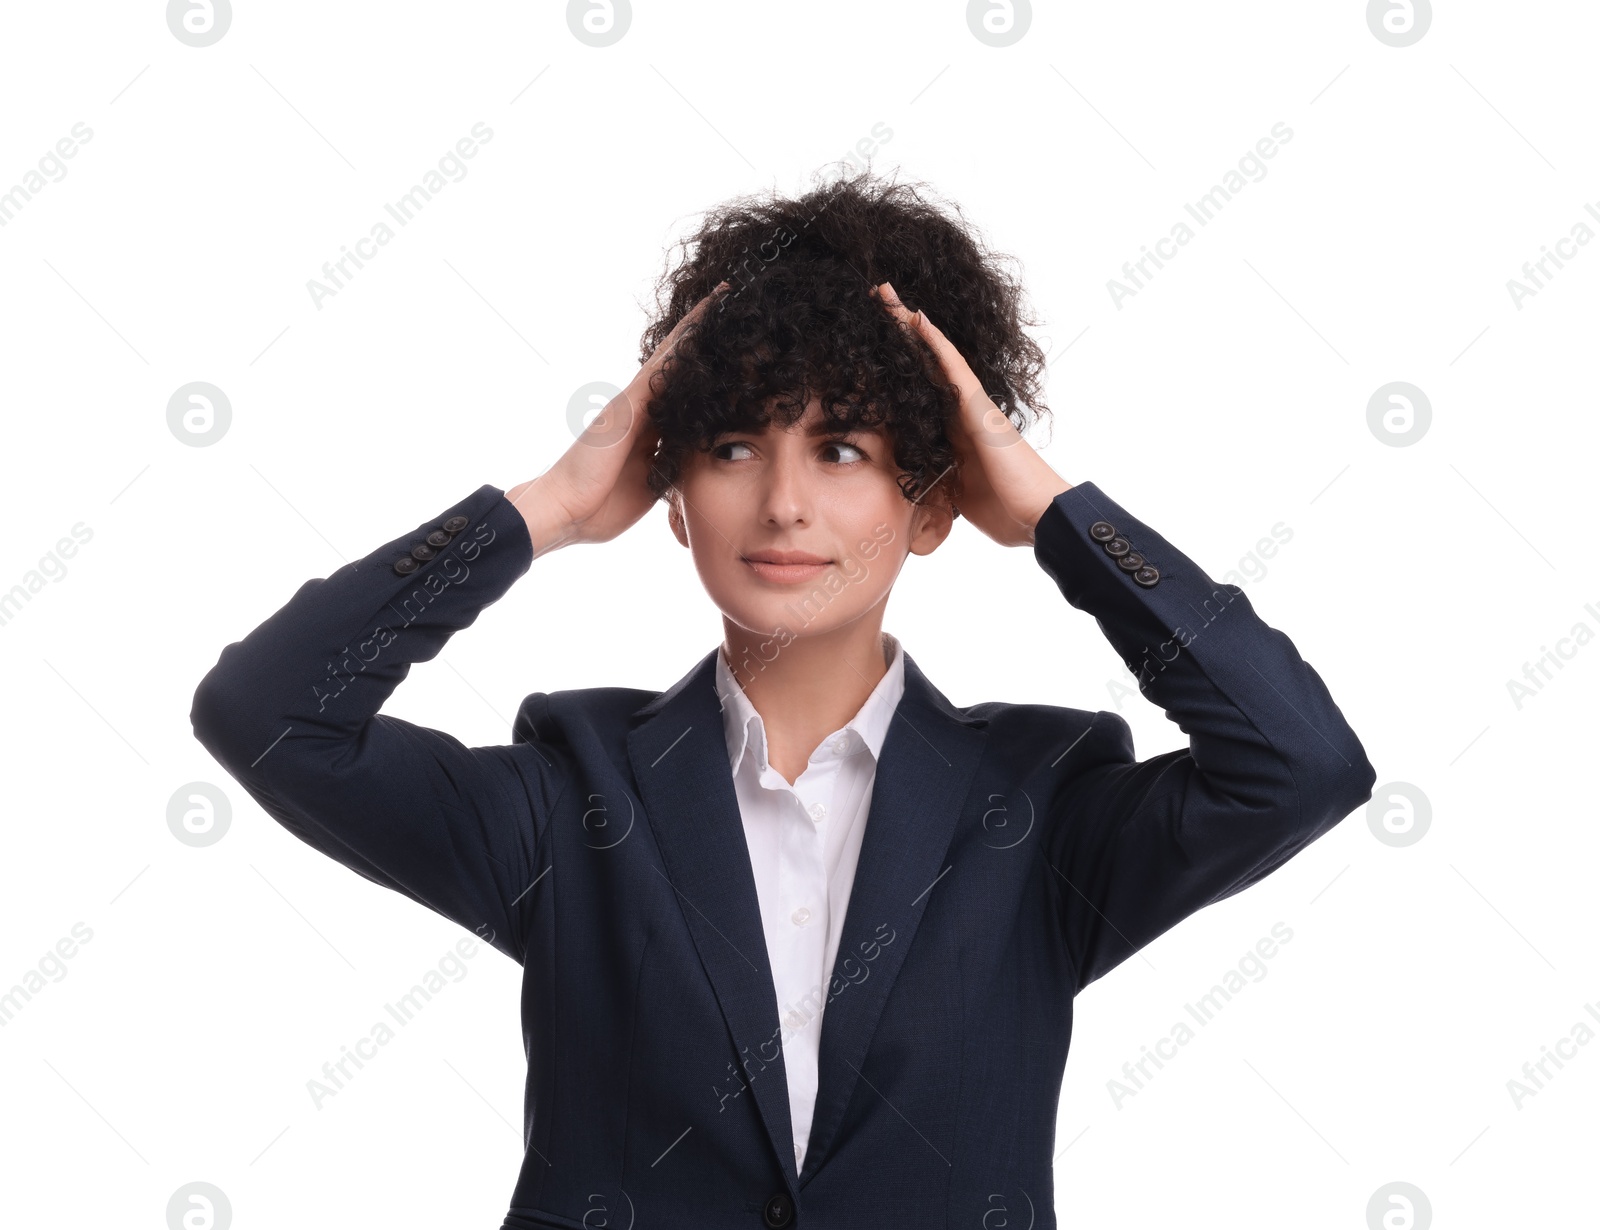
1137 846
1271 764
291 711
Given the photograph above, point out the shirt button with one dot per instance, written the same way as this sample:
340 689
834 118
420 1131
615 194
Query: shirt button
840 744
801 916
819 812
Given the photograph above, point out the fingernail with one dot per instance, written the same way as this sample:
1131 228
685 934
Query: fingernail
889 286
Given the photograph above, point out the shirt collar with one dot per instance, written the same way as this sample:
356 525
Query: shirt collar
745 730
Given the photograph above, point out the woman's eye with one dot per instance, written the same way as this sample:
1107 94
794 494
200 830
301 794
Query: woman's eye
853 454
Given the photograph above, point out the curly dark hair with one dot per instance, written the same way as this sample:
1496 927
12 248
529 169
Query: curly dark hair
798 321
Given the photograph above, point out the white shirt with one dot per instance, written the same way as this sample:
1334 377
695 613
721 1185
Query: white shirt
804 841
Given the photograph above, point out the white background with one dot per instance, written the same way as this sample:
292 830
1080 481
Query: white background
1230 394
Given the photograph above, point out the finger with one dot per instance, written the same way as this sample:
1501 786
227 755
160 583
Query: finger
638 393
688 318
985 420
956 368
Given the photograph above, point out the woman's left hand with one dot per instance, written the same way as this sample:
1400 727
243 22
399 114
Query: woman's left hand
1004 483
1003 486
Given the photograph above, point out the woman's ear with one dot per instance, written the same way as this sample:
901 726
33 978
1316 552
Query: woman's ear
932 522
675 517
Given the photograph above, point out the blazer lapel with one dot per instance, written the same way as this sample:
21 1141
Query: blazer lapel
925 770
680 763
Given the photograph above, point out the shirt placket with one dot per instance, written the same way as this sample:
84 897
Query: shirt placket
803 896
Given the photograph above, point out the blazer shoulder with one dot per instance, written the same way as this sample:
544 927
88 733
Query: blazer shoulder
1091 734
1003 714
557 717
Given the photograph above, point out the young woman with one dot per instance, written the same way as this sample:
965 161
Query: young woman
800 937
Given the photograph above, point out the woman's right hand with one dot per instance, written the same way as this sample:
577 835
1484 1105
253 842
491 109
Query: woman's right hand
598 487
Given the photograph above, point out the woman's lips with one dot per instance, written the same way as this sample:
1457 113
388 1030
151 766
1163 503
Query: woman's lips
786 574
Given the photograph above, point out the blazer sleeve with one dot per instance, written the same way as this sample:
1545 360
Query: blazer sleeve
1139 845
291 712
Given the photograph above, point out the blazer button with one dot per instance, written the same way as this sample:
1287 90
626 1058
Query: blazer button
1147 576
1117 547
1102 531
456 524
779 1211
423 551
405 566
1131 562
437 539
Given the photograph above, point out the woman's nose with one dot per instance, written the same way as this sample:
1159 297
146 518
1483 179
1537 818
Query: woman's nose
785 497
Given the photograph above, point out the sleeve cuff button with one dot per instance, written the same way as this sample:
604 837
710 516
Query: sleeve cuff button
1147 576
1102 531
456 524
406 566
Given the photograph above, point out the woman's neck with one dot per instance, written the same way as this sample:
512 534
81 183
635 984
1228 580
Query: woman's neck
809 687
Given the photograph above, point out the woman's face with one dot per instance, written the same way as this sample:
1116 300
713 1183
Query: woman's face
830 501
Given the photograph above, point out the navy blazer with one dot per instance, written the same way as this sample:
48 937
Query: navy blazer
1013 854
